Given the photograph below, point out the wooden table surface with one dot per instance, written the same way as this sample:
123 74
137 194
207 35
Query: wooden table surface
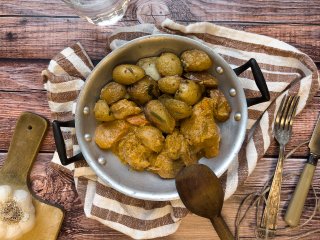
32 31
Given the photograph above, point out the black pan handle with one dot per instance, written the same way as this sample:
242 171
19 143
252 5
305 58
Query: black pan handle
61 147
258 78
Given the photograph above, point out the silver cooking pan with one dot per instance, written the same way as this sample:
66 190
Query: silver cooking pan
146 185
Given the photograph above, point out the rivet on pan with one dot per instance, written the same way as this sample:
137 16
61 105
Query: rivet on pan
237 116
102 161
232 92
87 137
219 70
86 110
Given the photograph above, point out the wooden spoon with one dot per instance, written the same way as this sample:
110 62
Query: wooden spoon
201 192
25 144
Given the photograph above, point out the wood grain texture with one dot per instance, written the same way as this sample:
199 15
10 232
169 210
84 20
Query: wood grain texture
20 37
57 187
298 11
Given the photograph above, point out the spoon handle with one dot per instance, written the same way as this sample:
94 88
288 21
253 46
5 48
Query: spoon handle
221 228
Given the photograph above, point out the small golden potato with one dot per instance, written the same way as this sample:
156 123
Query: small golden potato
157 114
169 84
124 108
195 60
151 137
113 92
168 64
149 66
144 90
177 109
102 111
189 92
127 74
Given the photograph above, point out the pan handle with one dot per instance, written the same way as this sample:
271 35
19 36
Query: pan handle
61 147
258 78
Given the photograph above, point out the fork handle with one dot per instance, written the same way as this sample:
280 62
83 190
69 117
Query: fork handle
270 214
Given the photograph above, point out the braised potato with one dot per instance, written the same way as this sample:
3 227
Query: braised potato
177 109
149 66
151 137
107 134
124 108
169 84
168 64
157 114
133 152
144 90
113 92
222 109
127 74
189 92
195 60
102 111
202 78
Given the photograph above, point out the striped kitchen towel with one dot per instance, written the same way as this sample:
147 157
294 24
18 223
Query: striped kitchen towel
286 69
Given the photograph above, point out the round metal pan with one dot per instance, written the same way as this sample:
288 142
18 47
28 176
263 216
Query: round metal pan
146 185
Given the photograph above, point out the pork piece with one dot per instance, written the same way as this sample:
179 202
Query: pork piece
200 129
138 120
109 133
176 147
151 137
124 108
202 78
221 107
165 167
132 151
213 151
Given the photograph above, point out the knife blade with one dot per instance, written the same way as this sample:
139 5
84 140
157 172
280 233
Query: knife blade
295 207
314 143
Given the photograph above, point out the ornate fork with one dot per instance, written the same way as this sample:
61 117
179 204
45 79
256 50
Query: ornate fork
282 132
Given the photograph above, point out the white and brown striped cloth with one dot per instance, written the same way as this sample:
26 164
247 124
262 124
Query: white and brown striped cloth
286 69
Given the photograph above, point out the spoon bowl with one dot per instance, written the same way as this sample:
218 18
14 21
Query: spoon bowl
201 192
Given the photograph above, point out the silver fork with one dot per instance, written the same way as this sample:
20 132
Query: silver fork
282 132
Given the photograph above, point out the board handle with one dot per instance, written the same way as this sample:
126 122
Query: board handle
24 146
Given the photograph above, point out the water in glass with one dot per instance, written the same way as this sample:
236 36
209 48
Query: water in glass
100 12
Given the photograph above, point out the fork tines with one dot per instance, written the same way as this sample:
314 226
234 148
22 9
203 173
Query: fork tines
286 113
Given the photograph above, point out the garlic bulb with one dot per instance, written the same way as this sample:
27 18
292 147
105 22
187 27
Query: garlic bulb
17 213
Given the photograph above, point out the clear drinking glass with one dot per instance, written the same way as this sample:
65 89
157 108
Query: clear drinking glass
100 12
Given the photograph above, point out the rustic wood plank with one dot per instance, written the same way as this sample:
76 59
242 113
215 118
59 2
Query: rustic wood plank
12 104
32 97
44 37
57 187
298 11
21 75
